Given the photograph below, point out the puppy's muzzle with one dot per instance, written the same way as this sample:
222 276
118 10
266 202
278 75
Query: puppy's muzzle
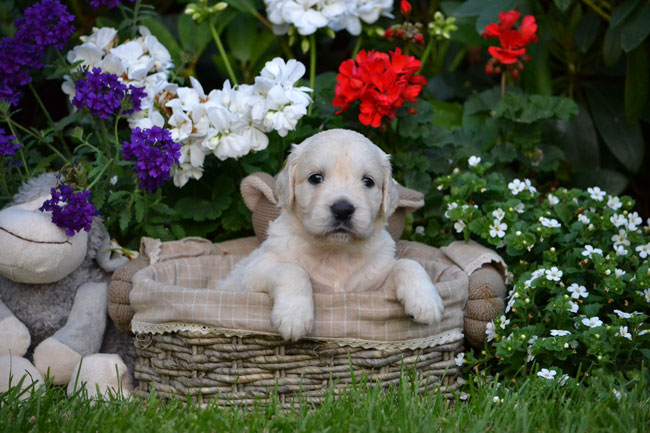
342 210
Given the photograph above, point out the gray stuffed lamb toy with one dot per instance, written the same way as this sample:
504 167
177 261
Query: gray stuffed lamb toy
53 299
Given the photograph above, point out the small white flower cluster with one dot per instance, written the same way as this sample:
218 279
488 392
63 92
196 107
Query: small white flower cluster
517 186
310 15
230 122
459 225
141 62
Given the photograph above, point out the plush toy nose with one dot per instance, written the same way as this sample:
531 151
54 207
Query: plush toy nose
342 210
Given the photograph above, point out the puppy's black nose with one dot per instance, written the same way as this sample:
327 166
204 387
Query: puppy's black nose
342 210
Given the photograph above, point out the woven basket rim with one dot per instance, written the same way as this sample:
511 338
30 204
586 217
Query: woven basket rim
432 341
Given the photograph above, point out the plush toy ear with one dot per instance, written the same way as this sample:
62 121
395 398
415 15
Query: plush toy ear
389 192
285 182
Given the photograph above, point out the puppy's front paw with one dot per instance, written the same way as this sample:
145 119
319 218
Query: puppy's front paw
293 318
423 304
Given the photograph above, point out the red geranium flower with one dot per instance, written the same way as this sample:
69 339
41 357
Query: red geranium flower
405 7
513 41
381 82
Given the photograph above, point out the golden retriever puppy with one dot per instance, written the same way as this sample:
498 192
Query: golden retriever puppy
336 192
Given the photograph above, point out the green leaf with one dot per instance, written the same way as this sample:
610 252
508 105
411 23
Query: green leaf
487 100
563 5
193 37
646 353
609 180
522 108
242 5
118 195
578 139
44 163
448 115
241 36
636 84
178 231
621 12
636 28
586 31
624 141
163 209
139 207
165 37
612 47
199 210
125 219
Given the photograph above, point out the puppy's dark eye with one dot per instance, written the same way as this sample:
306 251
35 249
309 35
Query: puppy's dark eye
315 178
368 182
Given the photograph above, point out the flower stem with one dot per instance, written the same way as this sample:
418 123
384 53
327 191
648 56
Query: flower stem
312 68
425 55
49 119
222 52
136 11
99 175
503 84
357 46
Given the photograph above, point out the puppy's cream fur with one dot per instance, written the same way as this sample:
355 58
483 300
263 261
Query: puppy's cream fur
309 249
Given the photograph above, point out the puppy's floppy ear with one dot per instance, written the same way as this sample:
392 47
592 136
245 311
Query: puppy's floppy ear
285 183
389 192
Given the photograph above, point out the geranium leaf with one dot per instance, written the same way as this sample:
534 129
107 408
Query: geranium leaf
636 28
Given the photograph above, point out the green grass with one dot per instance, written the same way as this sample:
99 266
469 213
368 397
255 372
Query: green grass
528 405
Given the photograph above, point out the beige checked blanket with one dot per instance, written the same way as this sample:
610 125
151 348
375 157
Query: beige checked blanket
177 292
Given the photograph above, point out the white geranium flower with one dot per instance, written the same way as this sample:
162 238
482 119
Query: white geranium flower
182 173
498 214
583 219
498 229
621 238
589 251
459 359
643 250
578 291
459 226
620 250
519 208
559 332
547 374
490 331
550 223
473 161
623 333
306 15
554 274
618 220
646 295
592 322
619 272
552 200
511 303
633 221
622 314
614 202
420 230
516 186
573 307
643 332
596 193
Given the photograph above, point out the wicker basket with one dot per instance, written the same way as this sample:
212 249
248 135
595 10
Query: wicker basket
205 368
197 344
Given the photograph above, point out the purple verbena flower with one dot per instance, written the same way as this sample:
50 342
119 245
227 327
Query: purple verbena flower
110 3
45 24
155 153
102 94
7 148
71 210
